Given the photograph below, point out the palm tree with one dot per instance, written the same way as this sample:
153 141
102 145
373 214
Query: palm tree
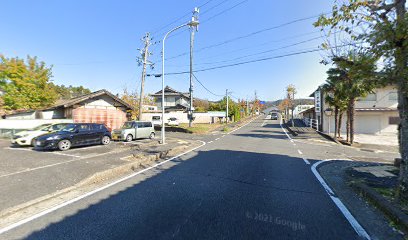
357 70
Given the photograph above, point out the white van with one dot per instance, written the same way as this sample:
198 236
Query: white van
156 120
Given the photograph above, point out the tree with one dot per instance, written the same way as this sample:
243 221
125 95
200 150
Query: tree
26 84
290 95
70 91
336 97
201 105
132 98
384 26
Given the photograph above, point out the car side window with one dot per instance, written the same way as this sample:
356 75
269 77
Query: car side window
141 124
148 124
83 127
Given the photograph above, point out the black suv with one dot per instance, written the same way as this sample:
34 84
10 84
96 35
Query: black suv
72 135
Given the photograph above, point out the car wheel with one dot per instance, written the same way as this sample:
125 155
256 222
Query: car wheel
129 138
64 145
106 140
152 135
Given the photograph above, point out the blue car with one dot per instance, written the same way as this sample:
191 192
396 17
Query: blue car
73 135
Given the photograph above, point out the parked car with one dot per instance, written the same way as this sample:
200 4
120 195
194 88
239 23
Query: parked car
156 120
274 116
134 130
73 135
26 138
173 121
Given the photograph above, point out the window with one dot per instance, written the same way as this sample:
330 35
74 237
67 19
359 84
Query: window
393 96
83 127
393 120
139 124
369 97
148 124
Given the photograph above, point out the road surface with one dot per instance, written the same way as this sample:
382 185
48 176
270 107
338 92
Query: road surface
253 183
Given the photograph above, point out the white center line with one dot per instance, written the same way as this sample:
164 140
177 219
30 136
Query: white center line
217 139
210 141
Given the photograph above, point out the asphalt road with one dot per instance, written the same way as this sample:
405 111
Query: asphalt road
250 184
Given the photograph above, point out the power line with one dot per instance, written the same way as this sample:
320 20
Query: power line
251 61
224 11
248 35
217 95
178 19
216 15
264 43
263 52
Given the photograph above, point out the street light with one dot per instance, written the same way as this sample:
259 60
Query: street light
193 23
329 112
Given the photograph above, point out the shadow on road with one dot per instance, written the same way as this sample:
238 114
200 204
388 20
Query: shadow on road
217 194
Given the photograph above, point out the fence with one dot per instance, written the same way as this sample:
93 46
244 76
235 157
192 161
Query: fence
310 122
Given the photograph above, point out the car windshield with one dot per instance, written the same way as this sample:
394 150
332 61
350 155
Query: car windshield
41 127
69 128
127 125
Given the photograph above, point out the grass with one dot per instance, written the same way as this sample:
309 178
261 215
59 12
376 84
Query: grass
225 129
199 128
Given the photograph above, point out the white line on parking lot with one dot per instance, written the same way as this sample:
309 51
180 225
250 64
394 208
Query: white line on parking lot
38 215
19 149
37 168
64 154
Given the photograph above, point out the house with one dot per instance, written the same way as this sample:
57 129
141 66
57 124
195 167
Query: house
375 114
173 100
176 105
97 107
300 108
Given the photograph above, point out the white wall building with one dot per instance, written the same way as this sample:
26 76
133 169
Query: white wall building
375 114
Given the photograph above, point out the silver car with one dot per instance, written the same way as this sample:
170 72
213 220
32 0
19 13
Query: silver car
134 130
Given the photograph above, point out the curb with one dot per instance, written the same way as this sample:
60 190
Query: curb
290 130
385 206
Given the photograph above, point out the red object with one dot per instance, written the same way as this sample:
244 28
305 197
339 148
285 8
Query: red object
112 118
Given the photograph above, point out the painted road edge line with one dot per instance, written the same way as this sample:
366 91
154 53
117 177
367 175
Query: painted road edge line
343 209
306 161
43 213
243 125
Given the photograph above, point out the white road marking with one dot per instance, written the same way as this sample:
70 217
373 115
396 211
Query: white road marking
210 141
37 168
19 149
243 125
343 209
284 130
65 154
300 152
306 161
217 139
50 210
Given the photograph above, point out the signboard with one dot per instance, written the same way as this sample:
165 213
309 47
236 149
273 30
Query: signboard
318 101
262 102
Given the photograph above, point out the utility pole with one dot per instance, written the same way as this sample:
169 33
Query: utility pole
193 29
143 61
226 116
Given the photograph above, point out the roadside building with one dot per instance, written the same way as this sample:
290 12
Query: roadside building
375 114
97 107
176 105
173 100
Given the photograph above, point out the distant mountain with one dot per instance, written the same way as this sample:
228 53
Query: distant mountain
301 101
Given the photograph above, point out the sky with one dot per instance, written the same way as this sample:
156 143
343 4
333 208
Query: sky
95 43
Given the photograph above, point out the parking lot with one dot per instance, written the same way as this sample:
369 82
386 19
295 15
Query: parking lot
26 174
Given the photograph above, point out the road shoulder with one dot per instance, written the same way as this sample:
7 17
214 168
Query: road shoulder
373 221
